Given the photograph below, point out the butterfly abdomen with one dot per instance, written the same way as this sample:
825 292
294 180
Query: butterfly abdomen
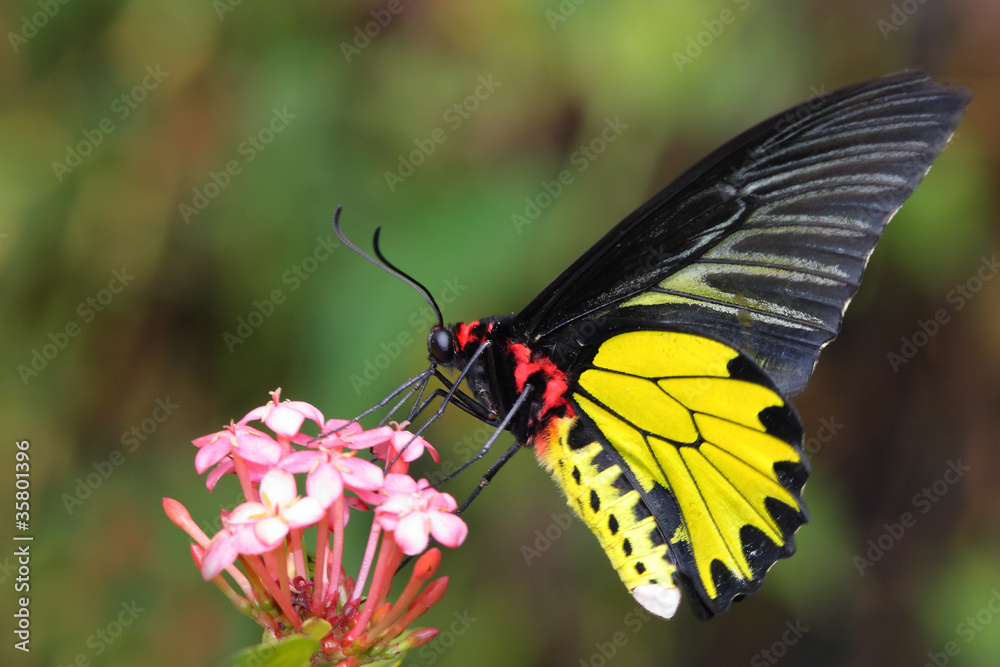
606 500
551 387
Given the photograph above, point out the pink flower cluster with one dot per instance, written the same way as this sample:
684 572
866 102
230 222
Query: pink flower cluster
280 586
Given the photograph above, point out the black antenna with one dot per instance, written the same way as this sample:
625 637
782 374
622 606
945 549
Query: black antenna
386 265
412 282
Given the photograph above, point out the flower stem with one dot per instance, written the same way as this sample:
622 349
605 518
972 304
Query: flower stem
300 559
278 561
422 571
389 558
283 601
320 570
249 490
366 563
430 597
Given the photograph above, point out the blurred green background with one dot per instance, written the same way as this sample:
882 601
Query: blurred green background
197 150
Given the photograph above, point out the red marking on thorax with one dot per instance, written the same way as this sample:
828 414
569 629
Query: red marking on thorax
556 384
471 333
555 406
462 334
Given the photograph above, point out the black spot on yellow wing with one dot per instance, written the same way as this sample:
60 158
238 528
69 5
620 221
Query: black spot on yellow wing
781 422
697 456
742 368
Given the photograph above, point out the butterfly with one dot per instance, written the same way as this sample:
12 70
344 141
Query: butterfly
652 376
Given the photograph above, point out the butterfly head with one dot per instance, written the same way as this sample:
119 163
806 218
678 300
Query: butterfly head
451 346
441 345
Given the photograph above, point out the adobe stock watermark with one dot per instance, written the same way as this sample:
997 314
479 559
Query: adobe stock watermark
581 159
32 23
545 538
777 650
446 638
968 629
87 311
958 297
121 108
605 651
248 150
102 638
900 15
463 450
421 321
130 440
223 7
453 117
794 116
697 43
294 278
363 35
562 12
7 569
923 501
212 524
828 428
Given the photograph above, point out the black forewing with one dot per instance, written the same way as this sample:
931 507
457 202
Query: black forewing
792 209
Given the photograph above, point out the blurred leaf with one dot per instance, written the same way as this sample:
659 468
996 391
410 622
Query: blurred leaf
294 651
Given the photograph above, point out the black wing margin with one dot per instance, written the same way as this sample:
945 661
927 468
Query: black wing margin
762 243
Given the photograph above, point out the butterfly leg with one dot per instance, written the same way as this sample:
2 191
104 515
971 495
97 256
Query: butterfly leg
488 476
499 463
420 380
463 401
501 426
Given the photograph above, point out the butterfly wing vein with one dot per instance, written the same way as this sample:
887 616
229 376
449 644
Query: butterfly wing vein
680 417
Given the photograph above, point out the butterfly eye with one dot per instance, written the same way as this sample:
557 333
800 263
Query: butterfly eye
439 344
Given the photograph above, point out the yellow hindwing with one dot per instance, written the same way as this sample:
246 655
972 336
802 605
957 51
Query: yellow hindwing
682 457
